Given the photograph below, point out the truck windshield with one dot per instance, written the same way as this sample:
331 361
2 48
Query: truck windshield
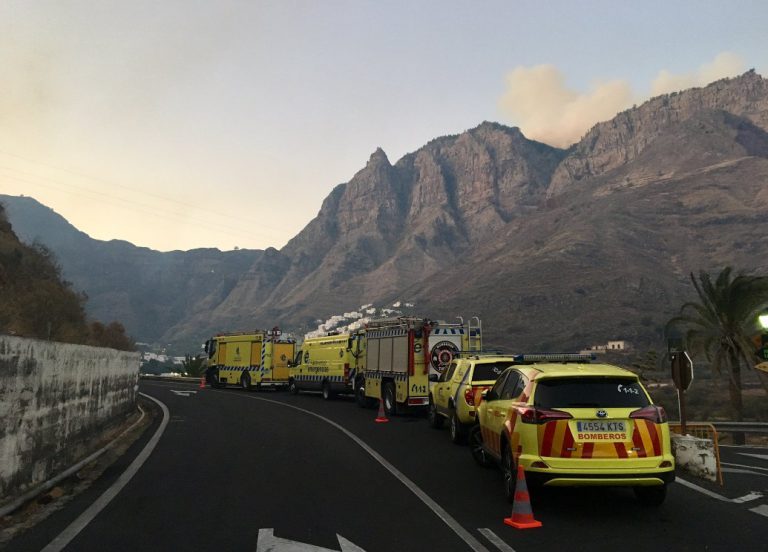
586 392
489 371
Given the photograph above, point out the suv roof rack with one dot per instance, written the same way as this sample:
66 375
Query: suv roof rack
554 357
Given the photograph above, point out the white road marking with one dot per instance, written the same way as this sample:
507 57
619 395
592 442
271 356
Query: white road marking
743 466
760 456
268 542
762 510
702 490
753 495
463 534
742 470
66 536
495 540
184 393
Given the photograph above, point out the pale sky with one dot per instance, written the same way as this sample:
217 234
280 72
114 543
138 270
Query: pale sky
178 124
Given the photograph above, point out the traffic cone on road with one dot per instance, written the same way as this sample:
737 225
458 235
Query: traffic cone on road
522 514
202 382
382 416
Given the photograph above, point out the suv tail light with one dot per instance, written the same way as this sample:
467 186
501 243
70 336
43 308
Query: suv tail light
469 396
652 413
541 416
346 371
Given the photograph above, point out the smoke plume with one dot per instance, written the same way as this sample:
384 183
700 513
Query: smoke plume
538 101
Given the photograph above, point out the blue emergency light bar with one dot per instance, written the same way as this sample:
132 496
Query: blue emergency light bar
554 357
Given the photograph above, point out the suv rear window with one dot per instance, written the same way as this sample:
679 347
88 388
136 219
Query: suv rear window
489 371
589 392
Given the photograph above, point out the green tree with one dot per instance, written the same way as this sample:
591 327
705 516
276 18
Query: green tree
720 323
194 365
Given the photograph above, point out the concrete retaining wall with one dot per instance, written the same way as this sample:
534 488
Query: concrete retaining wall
55 399
695 455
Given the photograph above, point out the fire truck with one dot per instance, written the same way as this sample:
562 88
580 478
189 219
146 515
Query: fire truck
328 364
251 360
401 353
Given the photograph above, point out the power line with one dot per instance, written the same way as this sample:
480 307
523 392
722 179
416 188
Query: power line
100 180
142 208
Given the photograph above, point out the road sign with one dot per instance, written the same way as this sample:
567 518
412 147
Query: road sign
682 370
268 542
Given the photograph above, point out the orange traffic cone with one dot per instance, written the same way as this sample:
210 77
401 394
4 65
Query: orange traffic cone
202 382
382 416
522 515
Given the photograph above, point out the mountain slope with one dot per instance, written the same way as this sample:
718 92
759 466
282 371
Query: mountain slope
148 291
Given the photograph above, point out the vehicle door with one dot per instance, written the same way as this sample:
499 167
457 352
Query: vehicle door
502 395
442 388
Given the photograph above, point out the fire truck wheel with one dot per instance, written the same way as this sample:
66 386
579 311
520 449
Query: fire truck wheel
214 380
390 401
245 381
476 447
293 388
328 393
435 419
458 435
360 397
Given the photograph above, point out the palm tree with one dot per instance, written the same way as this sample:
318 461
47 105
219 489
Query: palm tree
721 323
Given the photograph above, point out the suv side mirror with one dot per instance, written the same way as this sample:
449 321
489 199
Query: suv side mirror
434 377
488 395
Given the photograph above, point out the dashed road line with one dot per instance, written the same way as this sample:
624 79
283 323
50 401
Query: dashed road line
748 497
759 456
743 466
762 510
495 540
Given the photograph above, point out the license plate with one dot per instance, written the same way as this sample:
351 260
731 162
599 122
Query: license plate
601 430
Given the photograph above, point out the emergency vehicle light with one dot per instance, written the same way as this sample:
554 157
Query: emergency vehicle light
554 357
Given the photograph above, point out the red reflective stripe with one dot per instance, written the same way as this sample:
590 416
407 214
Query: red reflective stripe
621 450
567 443
654 438
549 434
586 452
637 440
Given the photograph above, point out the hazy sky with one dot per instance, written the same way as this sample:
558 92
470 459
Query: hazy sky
177 124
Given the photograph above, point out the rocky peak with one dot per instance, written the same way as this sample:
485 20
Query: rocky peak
378 158
612 143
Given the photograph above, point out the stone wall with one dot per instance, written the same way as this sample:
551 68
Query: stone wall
55 399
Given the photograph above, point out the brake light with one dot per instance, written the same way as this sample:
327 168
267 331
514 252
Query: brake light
346 370
652 413
541 416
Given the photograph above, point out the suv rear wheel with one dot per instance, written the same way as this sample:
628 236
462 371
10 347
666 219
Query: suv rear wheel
508 471
456 430
476 447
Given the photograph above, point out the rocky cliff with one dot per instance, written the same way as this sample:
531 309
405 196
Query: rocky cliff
553 248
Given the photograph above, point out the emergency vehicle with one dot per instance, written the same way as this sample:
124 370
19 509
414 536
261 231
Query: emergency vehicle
457 391
328 364
250 360
572 423
402 352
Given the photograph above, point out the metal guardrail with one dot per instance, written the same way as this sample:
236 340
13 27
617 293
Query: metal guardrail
733 427
741 427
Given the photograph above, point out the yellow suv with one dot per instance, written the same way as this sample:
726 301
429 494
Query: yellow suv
570 423
457 390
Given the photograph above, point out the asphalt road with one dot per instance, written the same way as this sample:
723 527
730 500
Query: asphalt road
235 471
